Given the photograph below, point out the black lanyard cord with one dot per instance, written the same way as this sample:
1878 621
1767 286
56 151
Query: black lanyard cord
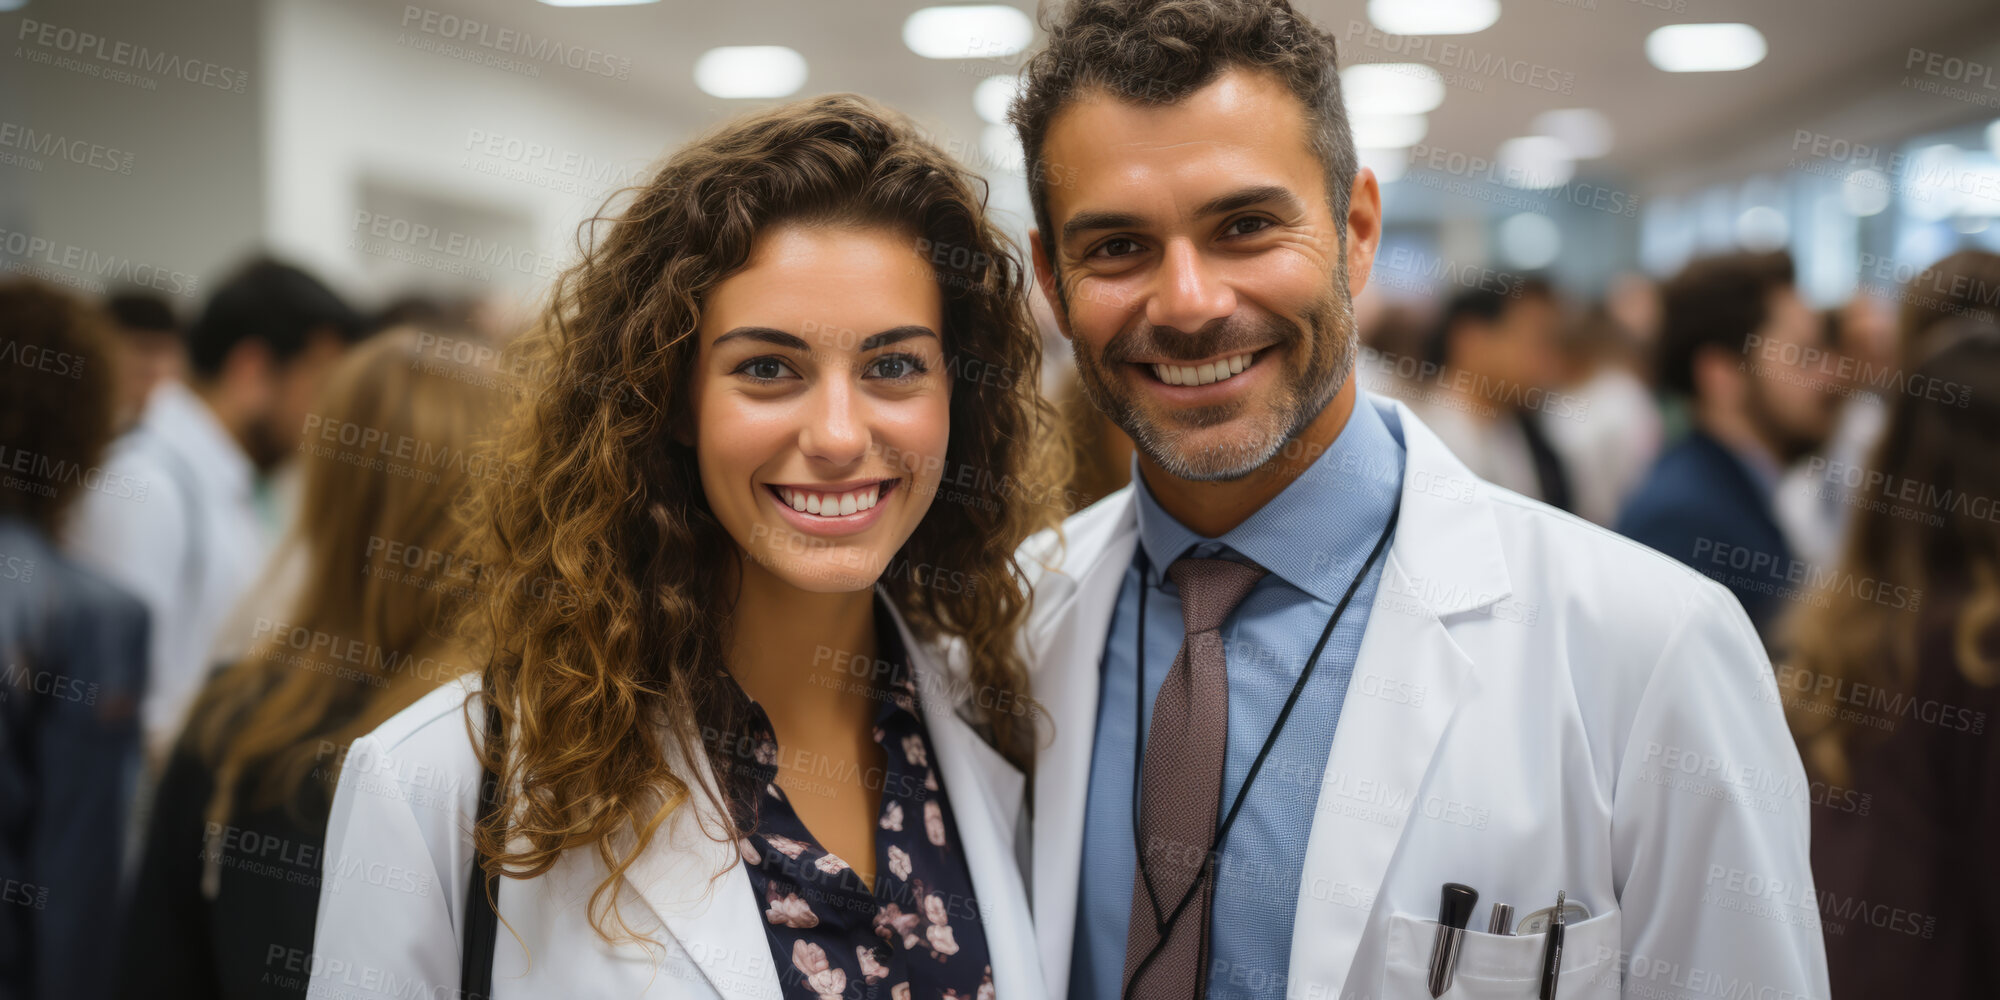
1165 927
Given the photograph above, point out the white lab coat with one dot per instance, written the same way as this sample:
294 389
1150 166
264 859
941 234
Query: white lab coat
1538 704
399 850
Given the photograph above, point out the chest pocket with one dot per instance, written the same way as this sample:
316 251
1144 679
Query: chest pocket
1500 967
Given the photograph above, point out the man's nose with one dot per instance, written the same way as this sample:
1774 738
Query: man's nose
1188 295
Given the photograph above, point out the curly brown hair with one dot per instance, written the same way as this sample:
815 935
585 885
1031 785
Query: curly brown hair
608 502
55 400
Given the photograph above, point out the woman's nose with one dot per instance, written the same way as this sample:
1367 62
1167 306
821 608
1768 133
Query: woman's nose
836 430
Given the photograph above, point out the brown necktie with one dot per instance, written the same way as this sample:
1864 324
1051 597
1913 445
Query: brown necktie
1183 782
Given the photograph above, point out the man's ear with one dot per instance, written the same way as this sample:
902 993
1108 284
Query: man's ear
1717 373
1364 229
1045 278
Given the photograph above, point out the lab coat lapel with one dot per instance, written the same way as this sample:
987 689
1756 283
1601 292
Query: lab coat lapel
1066 676
716 920
1409 678
987 795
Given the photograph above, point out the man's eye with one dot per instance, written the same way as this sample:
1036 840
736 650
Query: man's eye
763 369
1117 247
1248 225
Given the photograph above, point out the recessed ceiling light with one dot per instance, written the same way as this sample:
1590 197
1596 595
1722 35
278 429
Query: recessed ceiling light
1388 131
1993 137
1433 17
973 31
750 71
1391 89
993 95
1586 131
1536 162
1706 48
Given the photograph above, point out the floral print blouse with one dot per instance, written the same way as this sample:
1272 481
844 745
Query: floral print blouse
916 935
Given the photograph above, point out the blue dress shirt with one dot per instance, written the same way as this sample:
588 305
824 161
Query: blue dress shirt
1312 538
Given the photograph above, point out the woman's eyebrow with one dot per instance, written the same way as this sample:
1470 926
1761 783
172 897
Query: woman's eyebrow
896 335
765 334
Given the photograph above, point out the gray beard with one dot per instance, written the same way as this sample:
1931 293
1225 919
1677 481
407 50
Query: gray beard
1233 460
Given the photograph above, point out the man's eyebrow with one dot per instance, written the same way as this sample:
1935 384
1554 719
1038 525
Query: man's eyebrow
1247 197
1086 222
764 334
896 335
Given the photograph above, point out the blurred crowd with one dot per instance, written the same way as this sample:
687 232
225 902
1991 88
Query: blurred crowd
229 546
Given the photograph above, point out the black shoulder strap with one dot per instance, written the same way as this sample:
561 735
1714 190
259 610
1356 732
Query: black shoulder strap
475 971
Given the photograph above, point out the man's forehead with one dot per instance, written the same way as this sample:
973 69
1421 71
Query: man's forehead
1100 145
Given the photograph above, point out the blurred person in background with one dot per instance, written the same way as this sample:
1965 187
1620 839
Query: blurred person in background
1872 352
257 355
73 651
1733 330
151 349
1860 345
1613 435
1890 686
1494 351
772 734
231 870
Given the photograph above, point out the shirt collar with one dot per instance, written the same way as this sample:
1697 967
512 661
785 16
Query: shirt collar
1315 532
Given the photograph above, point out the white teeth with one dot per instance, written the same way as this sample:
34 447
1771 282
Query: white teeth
1214 371
831 504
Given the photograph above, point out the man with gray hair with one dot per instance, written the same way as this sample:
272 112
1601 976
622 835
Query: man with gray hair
1308 669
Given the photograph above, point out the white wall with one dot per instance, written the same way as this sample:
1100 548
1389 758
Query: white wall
356 102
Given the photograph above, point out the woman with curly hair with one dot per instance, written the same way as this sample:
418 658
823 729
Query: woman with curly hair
768 738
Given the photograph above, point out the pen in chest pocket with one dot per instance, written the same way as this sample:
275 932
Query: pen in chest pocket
1552 951
1454 911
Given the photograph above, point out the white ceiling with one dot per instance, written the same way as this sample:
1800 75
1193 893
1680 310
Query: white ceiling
1821 51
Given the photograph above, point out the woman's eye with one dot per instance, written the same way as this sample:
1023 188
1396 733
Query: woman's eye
763 369
896 366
